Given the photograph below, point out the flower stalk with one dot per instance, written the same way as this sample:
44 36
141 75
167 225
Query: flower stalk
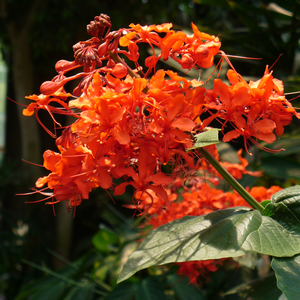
231 180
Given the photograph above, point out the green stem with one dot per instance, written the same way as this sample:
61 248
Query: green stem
228 177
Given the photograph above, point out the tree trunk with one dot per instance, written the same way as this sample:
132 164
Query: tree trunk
22 70
23 82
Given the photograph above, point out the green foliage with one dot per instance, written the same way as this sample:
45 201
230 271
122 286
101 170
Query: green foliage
72 282
258 289
226 233
287 273
161 288
105 239
258 29
285 208
183 290
206 138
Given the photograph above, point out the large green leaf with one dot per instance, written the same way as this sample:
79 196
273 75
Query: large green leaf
226 233
287 271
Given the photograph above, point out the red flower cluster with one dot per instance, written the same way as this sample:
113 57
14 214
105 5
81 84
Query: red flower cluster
255 110
131 127
201 199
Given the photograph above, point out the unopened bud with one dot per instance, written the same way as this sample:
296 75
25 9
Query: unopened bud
187 61
64 65
50 87
119 70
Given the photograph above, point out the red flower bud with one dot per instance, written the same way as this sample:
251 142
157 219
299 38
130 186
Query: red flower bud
64 65
119 70
50 87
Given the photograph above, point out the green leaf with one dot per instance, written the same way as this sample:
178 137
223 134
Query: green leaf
149 289
105 240
285 208
206 138
265 203
183 290
282 297
283 215
287 271
226 233
289 196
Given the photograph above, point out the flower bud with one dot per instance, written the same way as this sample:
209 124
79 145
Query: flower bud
119 70
64 65
50 87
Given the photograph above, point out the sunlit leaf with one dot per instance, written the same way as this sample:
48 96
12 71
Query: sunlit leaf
226 233
206 138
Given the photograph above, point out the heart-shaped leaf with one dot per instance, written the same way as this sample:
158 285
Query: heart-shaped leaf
226 233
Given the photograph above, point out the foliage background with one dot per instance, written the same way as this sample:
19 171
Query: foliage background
36 34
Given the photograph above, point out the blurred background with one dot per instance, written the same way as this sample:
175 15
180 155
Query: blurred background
43 256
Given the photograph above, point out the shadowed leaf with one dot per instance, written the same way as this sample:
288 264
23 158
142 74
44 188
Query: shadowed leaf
287 271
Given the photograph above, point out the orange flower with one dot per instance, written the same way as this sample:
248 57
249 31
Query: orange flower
131 127
139 33
43 102
262 129
141 181
72 168
238 170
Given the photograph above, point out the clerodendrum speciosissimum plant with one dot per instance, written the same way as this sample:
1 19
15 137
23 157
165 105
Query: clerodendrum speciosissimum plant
132 123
